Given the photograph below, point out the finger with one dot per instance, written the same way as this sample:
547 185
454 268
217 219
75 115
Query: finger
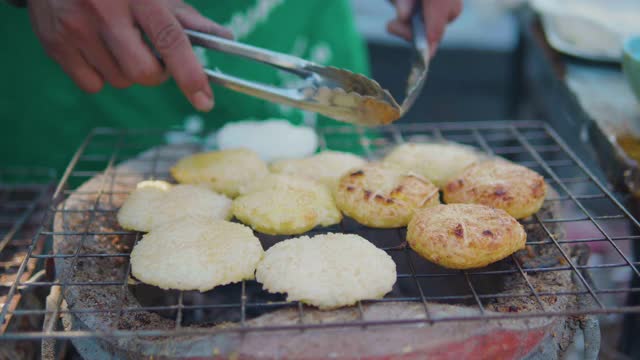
400 29
436 14
95 51
191 19
78 69
169 39
68 57
404 9
130 51
455 11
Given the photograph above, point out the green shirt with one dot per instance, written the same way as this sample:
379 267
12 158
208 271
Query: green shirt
45 116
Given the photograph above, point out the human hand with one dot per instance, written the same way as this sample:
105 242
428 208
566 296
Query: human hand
437 14
98 41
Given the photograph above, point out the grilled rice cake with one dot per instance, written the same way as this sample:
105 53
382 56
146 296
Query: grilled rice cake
500 184
326 167
328 270
196 253
286 205
382 196
154 203
225 171
464 236
437 162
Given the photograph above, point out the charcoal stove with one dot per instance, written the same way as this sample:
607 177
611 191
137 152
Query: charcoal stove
526 306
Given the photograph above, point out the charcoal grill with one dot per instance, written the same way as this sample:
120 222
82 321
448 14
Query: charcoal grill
23 196
527 305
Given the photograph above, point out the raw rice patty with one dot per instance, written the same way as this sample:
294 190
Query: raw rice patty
499 184
326 167
226 171
465 236
154 203
437 162
196 253
327 271
382 196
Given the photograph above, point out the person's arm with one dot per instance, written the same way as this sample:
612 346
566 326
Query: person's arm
437 14
98 41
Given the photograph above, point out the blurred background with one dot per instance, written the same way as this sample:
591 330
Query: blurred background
474 75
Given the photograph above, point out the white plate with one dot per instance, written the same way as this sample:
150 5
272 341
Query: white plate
590 29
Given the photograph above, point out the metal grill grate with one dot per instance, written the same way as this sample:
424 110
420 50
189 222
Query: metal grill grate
585 215
23 196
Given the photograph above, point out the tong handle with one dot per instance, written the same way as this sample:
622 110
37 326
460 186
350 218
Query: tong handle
418 26
291 97
279 60
253 88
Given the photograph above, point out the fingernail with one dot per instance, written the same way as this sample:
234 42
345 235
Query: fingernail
202 101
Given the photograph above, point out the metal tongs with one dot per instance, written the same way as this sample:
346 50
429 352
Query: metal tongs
330 91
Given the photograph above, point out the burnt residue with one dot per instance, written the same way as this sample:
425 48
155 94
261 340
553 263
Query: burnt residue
382 199
459 231
538 188
350 188
455 185
500 192
397 190
487 233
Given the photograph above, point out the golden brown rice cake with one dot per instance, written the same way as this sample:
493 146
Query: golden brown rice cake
286 205
499 184
465 236
382 196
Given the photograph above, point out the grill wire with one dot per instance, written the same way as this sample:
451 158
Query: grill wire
24 195
597 217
